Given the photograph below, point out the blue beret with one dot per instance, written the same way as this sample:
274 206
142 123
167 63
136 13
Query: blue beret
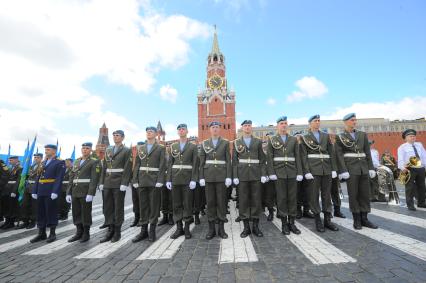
214 123
154 129
38 154
249 122
140 143
408 132
118 132
88 144
349 116
13 157
180 126
52 146
313 117
282 118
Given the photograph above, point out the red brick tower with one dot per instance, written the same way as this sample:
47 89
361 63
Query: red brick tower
216 102
103 141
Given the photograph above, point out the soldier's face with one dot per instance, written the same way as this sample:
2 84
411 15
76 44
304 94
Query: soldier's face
247 129
13 161
37 159
117 138
150 135
351 123
410 138
85 151
315 124
183 132
282 126
214 130
49 152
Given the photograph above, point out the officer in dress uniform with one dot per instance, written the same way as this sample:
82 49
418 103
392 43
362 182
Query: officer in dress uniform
4 178
320 168
166 206
182 174
115 177
149 178
64 206
285 166
335 185
10 194
29 205
46 191
249 172
416 183
215 176
83 180
375 194
135 192
356 167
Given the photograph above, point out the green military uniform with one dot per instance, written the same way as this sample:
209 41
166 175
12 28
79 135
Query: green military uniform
284 162
319 160
182 169
116 172
215 168
248 162
29 205
148 174
9 203
63 206
83 181
4 178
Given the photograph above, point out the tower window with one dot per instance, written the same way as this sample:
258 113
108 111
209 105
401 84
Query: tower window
229 126
203 127
215 58
215 100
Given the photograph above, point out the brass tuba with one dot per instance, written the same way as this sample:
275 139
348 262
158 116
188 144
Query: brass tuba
404 177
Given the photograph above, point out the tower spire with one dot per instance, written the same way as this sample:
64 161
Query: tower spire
215 47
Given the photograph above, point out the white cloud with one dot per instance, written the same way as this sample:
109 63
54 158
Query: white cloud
309 87
271 101
168 93
51 48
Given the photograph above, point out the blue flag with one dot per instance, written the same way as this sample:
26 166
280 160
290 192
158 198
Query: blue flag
73 154
26 167
8 155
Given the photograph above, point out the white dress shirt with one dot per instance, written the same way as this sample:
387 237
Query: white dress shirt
406 150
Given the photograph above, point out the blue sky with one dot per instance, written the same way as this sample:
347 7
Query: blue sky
363 56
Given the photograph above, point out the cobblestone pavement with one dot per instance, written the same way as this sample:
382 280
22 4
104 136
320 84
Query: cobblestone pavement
394 253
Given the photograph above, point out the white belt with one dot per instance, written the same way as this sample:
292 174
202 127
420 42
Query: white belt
11 182
215 162
182 166
318 156
81 181
252 161
114 170
65 182
356 155
284 159
31 182
152 169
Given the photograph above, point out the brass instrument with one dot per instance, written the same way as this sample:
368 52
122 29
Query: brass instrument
387 184
404 177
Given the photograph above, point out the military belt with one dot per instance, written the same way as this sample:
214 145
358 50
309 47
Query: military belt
45 181
31 182
284 159
81 181
11 182
182 166
250 161
151 169
215 162
65 182
318 156
114 170
354 155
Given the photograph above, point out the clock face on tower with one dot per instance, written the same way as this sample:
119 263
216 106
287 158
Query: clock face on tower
215 82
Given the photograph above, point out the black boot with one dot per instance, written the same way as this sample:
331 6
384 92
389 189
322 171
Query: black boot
299 213
221 230
135 222
338 213
23 225
246 231
212 231
238 219
52 235
86 234
109 234
197 219
357 221
117 234
284 226
179 230
292 226
164 220
31 224
203 212
186 230
151 236
5 223
171 222
191 220
103 226
366 223
327 222
142 235
256 230
40 237
78 234
270 214
318 223
308 214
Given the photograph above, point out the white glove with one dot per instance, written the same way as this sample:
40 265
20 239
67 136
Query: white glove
101 187
228 182
123 188
192 185
34 196
299 178
202 182
333 174
308 176
53 196
273 177
372 173
136 185
263 179
169 185
236 181
13 195
89 198
68 198
158 185
344 176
